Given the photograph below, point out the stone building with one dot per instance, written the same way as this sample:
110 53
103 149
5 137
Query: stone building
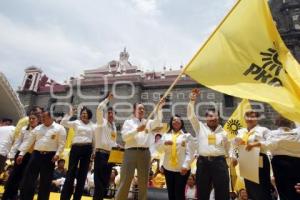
130 84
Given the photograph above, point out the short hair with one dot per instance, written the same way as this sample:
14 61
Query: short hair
89 112
171 124
213 110
281 121
135 105
35 109
7 120
111 109
116 171
250 112
48 112
61 160
243 189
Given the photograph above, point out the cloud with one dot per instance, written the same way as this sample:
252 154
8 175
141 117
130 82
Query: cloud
147 6
66 37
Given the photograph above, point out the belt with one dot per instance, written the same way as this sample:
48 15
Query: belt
82 144
45 152
138 148
211 158
102 151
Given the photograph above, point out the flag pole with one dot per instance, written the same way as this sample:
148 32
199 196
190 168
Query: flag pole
194 57
166 93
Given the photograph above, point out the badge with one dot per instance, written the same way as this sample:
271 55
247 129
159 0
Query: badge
53 137
212 139
183 143
113 135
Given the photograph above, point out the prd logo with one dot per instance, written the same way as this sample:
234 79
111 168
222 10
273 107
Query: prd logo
270 70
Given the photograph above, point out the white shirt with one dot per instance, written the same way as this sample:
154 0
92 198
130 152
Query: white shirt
258 134
51 138
283 142
83 133
132 138
184 151
190 192
24 136
6 139
105 132
221 146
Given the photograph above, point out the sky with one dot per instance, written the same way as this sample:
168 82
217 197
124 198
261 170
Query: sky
66 37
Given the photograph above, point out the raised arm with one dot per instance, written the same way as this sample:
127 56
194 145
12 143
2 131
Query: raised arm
158 116
101 107
66 120
191 112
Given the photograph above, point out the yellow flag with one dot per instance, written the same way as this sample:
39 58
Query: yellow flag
237 120
21 123
245 57
69 138
233 124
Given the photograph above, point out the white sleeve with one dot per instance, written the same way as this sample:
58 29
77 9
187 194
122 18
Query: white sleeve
61 141
99 111
25 146
67 123
128 131
190 151
192 117
16 145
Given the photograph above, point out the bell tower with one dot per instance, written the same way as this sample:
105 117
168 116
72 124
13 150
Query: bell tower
31 79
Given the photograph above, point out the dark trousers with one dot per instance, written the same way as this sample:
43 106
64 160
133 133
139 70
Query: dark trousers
261 191
287 175
102 171
14 180
212 172
79 154
39 164
2 163
176 184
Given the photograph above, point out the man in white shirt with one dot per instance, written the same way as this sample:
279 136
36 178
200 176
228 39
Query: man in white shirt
105 139
137 135
49 140
6 142
213 146
284 145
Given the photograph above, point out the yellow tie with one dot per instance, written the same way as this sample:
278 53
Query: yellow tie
246 137
174 159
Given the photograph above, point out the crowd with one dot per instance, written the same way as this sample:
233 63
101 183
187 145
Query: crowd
152 158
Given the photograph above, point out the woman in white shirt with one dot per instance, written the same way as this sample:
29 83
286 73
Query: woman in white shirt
177 146
13 183
251 137
80 153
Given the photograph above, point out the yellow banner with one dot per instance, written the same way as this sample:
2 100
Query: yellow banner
237 120
245 57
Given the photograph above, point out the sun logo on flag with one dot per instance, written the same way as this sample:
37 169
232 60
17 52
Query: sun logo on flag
271 60
233 126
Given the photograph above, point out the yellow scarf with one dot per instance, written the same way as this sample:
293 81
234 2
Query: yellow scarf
174 159
246 136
